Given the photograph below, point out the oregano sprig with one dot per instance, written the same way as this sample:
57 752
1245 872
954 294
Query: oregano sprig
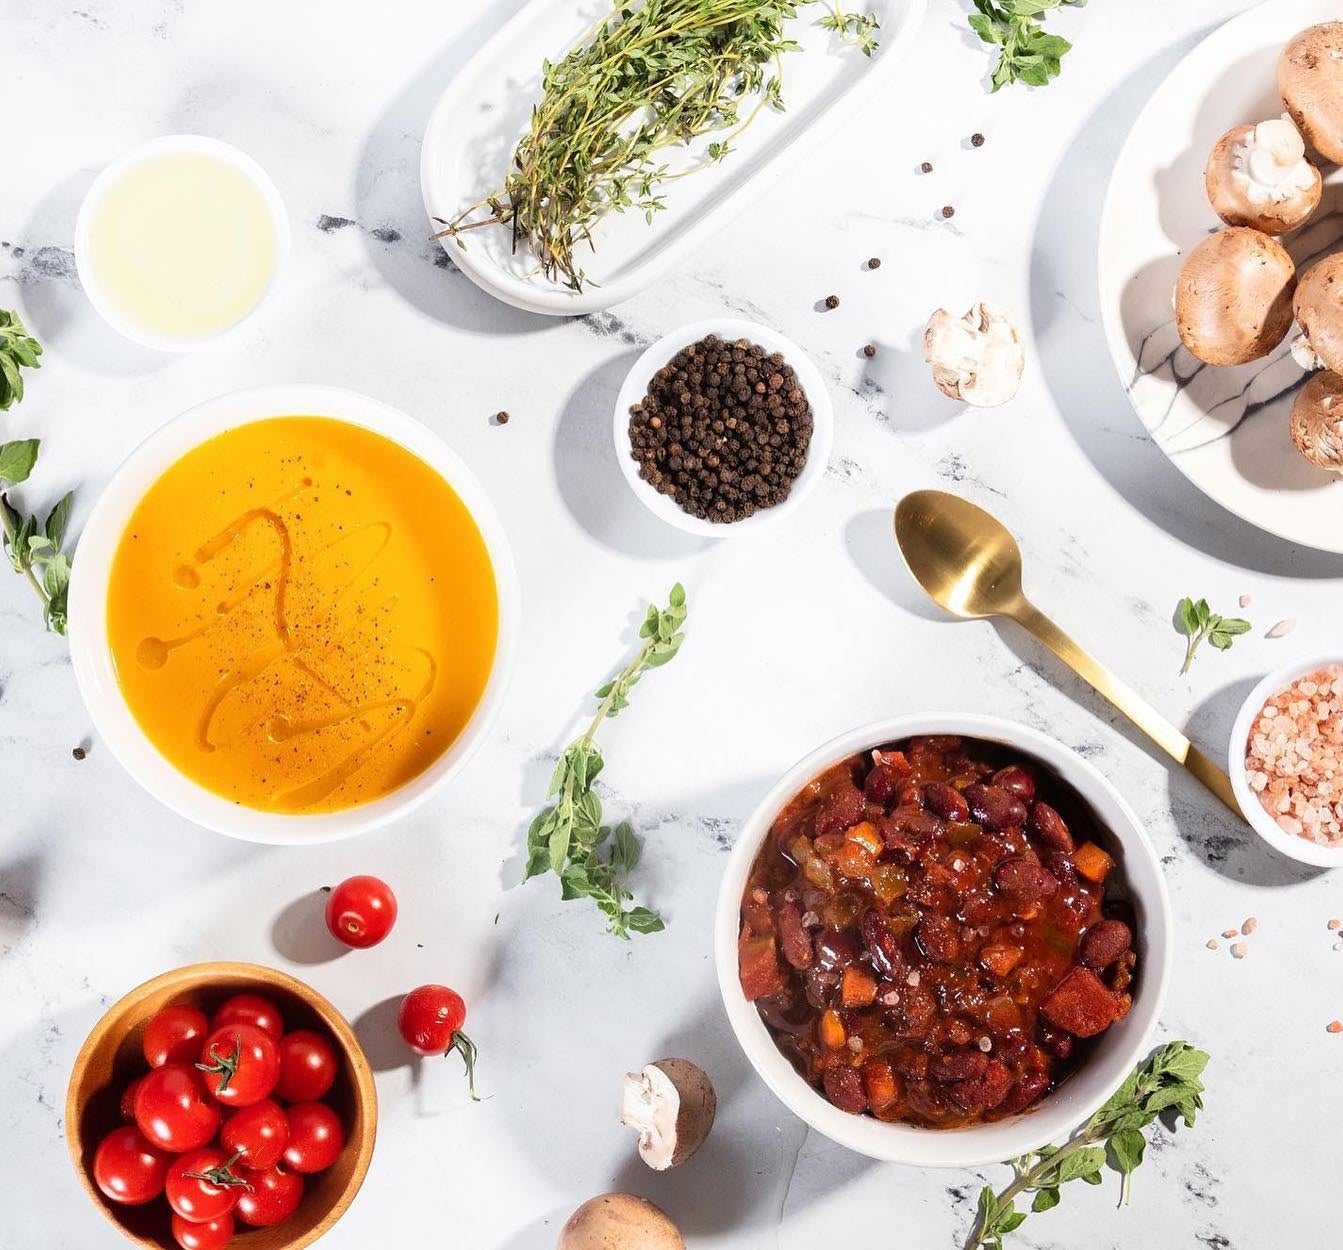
1026 51
1195 621
568 838
18 351
1167 1080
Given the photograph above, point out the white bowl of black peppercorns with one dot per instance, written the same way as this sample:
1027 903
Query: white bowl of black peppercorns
723 427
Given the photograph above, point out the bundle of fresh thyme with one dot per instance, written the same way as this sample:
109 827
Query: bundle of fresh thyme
568 837
646 78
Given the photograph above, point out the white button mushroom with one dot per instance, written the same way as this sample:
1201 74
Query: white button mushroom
977 358
619 1222
1258 176
1233 298
1317 421
1310 81
1319 312
671 1103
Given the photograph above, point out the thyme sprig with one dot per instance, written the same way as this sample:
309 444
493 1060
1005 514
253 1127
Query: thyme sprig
1026 51
646 78
1167 1080
568 837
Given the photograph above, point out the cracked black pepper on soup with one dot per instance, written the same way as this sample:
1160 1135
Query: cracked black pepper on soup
723 430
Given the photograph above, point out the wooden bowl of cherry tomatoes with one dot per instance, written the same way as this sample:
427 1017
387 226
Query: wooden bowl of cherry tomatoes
199 1073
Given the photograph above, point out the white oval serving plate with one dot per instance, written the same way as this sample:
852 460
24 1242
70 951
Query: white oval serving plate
486 109
1225 429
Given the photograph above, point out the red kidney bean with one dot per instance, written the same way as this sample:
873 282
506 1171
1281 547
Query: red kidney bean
958 1065
940 938
1050 828
844 1087
794 940
985 1092
836 949
1025 881
917 1009
946 801
912 1064
910 795
883 947
1016 781
883 783
1024 1093
1104 943
994 808
1060 865
842 810
1058 1043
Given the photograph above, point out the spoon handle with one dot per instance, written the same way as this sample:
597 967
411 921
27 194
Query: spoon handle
1128 701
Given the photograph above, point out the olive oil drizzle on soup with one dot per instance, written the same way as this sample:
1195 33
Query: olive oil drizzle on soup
302 614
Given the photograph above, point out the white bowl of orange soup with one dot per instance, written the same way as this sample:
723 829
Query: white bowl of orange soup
293 614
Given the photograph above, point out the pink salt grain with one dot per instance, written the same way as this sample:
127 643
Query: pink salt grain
1294 757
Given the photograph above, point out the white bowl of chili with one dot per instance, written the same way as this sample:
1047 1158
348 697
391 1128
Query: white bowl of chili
808 379
1108 1058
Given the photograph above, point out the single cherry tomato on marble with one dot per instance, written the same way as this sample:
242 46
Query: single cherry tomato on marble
174 1109
129 1168
316 1137
174 1035
431 1019
251 1009
240 1064
361 911
210 1235
201 1185
128 1100
308 1066
260 1132
272 1195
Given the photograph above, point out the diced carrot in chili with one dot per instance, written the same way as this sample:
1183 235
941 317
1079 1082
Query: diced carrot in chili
865 835
889 882
832 1030
855 862
880 1082
1081 1004
1000 960
859 988
1092 863
819 873
758 966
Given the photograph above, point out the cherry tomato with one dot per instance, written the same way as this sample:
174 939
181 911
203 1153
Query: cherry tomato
210 1235
128 1168
174 1110
308 1066
431 1019
174 1034
260 1132
361 911
272 1195
251 1009
128 1100
201 1185
240 1064
316 1137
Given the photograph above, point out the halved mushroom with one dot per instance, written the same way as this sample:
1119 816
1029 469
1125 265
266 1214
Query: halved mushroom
1317 421
1233 298
977 358
1310 81
672 1105
1258 176
1319 313
619 1222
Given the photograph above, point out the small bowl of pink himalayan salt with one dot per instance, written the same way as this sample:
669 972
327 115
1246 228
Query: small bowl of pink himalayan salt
1287 760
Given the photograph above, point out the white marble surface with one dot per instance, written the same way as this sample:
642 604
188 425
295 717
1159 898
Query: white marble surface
793 638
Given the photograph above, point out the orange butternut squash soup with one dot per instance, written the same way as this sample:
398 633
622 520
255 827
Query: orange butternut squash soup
303 615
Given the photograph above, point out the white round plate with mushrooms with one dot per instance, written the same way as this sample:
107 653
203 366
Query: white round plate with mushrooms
1203 305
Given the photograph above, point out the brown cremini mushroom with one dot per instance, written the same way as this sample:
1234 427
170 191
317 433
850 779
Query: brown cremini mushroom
1233 298
619 1222
1317 421
671 1104
1318 305
1258 176
1310 81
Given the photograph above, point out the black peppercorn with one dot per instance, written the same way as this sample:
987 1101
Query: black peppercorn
874 263
948 211
870 350
832 301
977 140
501 418
927 167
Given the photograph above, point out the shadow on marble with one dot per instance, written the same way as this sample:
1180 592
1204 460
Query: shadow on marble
381 1039
870 542
53 302
1075 360
299 932
390 208
20 892
590 481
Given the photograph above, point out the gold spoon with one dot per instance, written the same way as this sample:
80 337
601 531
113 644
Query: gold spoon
969 564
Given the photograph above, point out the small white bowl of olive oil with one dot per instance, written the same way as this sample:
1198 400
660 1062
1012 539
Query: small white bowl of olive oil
180 241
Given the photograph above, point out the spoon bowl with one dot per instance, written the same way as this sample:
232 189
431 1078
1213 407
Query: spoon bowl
964 558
